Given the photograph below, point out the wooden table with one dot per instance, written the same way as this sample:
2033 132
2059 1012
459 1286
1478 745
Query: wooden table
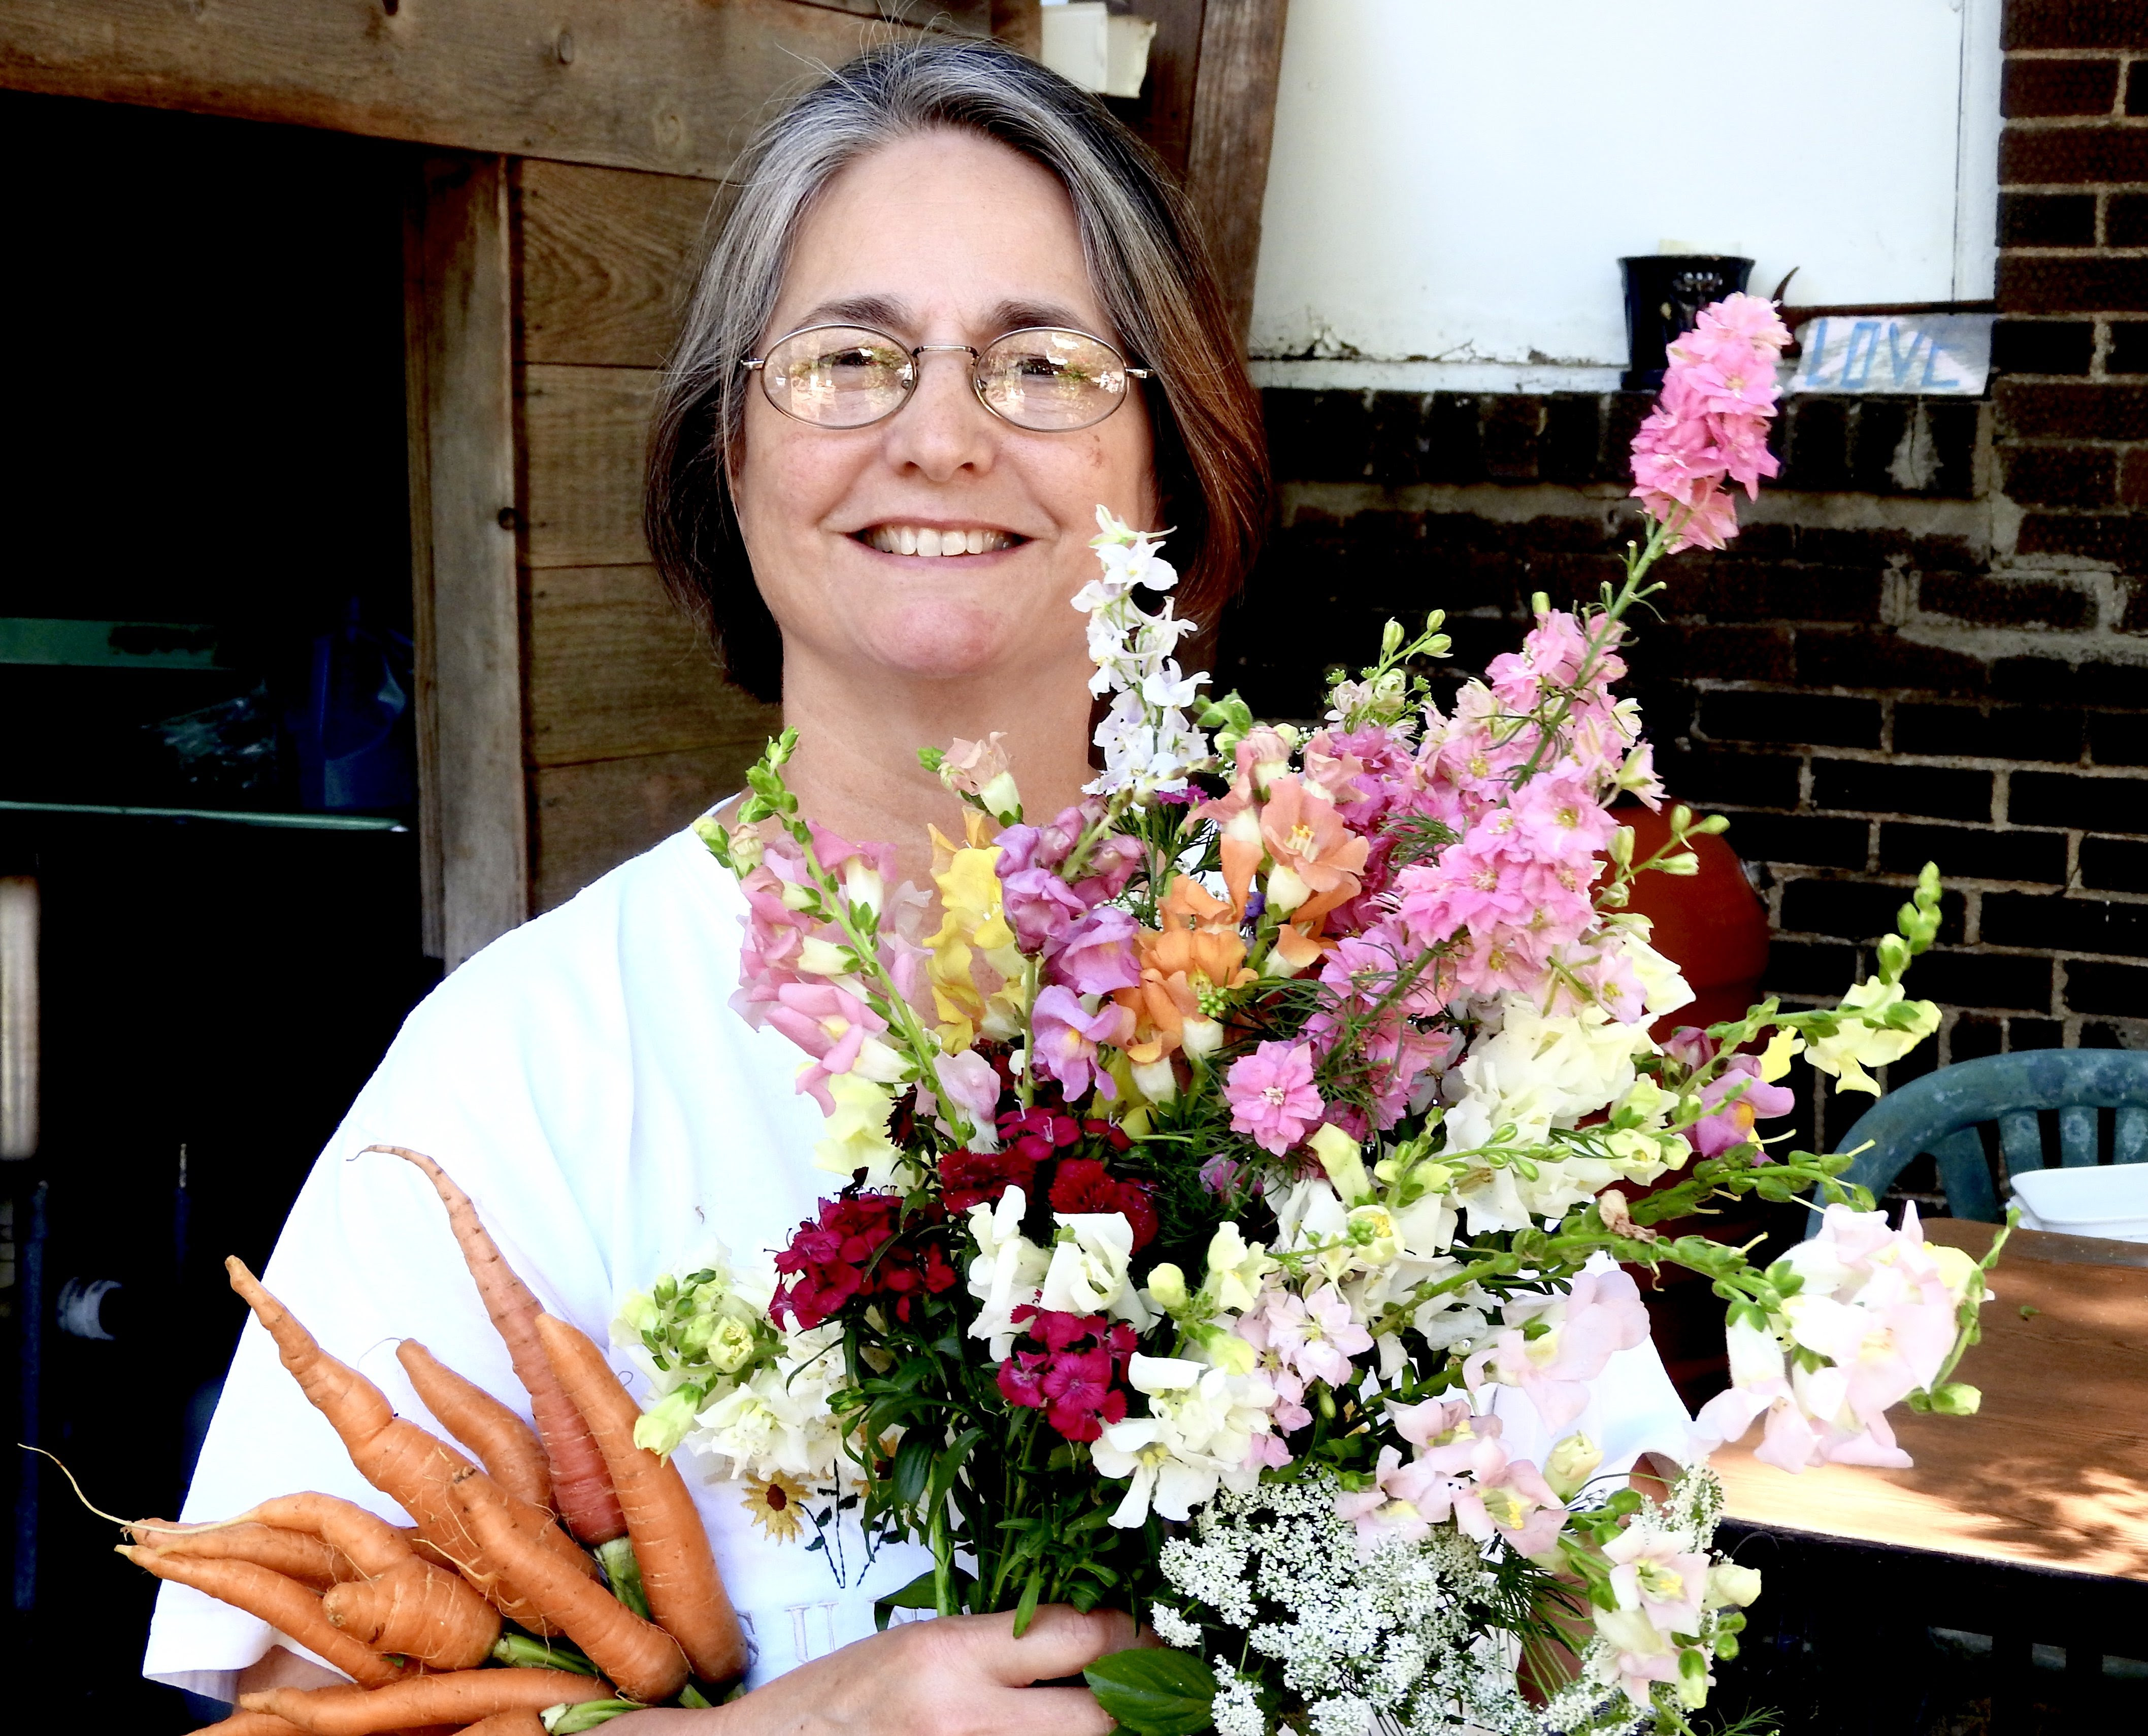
2027 1522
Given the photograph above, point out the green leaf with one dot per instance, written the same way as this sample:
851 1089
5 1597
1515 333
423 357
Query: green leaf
1026 1610
916 1595
1154 1691
913 1465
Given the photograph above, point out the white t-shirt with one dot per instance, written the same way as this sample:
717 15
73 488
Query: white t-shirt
585 1081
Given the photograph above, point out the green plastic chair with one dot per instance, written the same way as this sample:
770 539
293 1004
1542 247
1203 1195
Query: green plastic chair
1941 1114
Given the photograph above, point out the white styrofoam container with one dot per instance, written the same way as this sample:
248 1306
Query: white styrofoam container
2110 1200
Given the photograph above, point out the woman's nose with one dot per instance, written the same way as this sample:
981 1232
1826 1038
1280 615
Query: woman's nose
943 430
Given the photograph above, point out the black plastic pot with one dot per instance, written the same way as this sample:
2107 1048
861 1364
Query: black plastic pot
1664 295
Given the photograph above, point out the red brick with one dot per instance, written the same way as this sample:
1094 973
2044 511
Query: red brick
2047 220
2042 285
2121 541
2115 153
2062 475
2133 478
2074 24
1737 654
2065 411
2008 600
1829 657
2124 216
2059 87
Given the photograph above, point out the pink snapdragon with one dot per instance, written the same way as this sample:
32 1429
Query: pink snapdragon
1272 1098
1601 1312
1067 1035
1735 1099
833 1027
1709 427
1462 1472
1096 954
1310 1337
1880 1307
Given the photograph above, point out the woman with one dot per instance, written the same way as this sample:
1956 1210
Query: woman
954 310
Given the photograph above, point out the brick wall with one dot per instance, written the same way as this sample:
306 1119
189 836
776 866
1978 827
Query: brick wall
1931 640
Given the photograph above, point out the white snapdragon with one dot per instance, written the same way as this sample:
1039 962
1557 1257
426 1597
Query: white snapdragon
1008 1272
779 1419
1089 1270
1198 1436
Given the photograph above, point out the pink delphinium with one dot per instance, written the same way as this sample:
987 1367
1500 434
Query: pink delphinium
1273 1100
1709 427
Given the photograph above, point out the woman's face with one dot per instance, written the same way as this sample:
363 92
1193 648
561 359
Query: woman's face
943 237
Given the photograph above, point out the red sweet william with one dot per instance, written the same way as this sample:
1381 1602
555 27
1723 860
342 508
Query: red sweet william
860 1247
1071 1379
1083 1184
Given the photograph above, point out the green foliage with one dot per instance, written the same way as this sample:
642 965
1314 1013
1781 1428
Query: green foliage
1154 1691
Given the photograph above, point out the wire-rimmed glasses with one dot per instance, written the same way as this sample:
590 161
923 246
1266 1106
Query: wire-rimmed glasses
1046 378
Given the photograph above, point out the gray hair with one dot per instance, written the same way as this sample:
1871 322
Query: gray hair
1145 256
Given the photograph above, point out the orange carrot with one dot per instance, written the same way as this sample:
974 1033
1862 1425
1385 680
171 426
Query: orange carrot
420 1611
678 1574
256 1723
391 1452
284 1604
293 1553
372 1545
459 1697
640 1657
520 1722
579 1485
512 1455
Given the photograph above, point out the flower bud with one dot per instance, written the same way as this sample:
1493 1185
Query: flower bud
1200 1038
1728 1583
1286 890
1390 639
817 957
1001 799
1957 1398
730 1345
1571 1464
1167 1289
1683 867
1340 1156
1155 1080
1225 1349
1621 847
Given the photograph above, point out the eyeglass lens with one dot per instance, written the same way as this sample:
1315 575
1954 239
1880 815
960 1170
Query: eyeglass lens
1044 380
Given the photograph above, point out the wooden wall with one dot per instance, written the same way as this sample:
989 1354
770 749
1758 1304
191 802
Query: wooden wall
629 730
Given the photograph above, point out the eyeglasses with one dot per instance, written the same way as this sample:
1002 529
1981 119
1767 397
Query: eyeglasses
1045 378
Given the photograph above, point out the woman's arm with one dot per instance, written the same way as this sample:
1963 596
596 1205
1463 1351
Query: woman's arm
965 1675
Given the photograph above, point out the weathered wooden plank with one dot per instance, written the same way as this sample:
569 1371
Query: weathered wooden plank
591 818
585 429
608 258
466 591
1226 169
672 85
957 17
616 671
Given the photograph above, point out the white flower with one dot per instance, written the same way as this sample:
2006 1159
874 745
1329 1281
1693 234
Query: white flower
1007 1273
1235 1270
1198 1434
780 1419
1856 1046
857 1133
1087 1273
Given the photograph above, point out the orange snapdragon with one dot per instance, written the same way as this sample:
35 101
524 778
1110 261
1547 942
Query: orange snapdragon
1187 967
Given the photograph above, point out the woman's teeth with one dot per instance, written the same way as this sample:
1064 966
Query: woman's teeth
914 539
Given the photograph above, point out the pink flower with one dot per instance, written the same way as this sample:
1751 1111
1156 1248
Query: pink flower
972 1083
1600 1313
1273 1101
1096 954
1736 1098
1040 907
1404 1502
1711 424
830 1024
1313 1337
1066 1035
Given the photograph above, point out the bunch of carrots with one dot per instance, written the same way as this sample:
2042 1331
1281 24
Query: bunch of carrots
552 1580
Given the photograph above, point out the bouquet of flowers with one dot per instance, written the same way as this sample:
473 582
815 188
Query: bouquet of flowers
1230 1140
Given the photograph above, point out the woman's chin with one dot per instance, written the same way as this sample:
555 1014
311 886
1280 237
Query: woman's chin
943 644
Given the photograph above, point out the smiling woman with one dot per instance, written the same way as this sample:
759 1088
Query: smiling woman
954 308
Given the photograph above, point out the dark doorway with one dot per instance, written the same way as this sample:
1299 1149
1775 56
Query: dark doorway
208 771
